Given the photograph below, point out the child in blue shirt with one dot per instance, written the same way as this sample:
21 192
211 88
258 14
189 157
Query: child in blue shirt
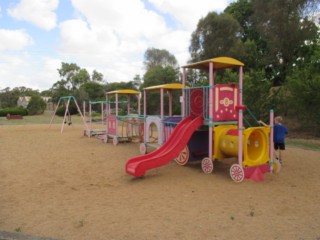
279 133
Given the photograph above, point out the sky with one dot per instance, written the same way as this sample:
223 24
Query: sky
109 36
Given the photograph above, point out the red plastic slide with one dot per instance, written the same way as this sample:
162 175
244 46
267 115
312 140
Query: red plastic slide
180 136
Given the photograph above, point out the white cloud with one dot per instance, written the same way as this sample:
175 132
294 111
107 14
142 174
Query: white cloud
23 69
47 73
39 12
114 38
107 35
110 37
14 39
188 13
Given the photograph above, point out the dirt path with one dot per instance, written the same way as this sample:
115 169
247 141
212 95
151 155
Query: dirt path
67 186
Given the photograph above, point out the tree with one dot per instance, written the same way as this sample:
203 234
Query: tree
216 35
60 89
137 81
160 75
77 81
159 57
94 90
9 97
161 68
36 105
96 76
303 86
82 77
119 85
285 30
73 75
67 72
254 45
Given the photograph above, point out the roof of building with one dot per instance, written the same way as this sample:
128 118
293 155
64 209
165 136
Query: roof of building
124 91
218 63
171 86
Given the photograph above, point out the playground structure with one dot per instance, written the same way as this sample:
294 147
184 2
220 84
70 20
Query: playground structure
66 101
94 129
158 128
123 127
212 129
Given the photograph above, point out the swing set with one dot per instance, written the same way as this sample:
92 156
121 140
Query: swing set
67 116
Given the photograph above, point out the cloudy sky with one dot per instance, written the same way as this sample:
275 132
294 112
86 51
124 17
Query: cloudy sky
110 36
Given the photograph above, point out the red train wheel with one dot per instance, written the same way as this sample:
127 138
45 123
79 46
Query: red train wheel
183 157
207 165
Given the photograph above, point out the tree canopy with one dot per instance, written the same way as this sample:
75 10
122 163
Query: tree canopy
159 57
216 35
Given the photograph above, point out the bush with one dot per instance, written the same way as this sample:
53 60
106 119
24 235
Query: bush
36 105
62 109
13 111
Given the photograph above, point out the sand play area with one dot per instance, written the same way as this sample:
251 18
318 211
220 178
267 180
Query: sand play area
67 186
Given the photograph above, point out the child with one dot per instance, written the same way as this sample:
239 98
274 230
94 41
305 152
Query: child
279 133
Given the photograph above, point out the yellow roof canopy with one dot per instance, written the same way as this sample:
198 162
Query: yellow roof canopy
124 91
169 86
218 63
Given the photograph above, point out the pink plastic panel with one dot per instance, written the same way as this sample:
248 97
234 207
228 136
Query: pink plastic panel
112 125
196 102
226 98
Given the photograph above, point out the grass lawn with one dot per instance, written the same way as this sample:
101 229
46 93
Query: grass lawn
39 119
312 144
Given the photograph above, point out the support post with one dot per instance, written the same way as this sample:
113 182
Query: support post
90 115
84 112
128 104
211 83
79 111
102 114
55 111
240 137
161 113
170 102
183 105
240 85
271 150
65 115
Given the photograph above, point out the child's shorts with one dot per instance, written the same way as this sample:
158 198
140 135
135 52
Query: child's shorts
280 146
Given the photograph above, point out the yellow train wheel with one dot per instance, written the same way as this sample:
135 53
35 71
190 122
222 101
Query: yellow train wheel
276 167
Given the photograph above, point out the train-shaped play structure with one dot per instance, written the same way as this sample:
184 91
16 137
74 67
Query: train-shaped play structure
209 129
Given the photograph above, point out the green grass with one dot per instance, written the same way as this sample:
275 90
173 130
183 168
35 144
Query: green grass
311 144
39 119
304 143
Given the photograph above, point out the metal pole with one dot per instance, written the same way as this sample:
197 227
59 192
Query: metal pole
183 106
211 80
271 139
79 111
55 111
161 113
240 137
170 102
65 115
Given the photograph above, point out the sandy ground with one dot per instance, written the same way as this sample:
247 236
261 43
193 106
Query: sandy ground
67 186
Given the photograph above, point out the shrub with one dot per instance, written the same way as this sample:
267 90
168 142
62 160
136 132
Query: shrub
36 105
62 109
13 111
